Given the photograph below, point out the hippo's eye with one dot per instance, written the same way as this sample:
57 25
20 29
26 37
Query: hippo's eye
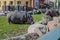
59 38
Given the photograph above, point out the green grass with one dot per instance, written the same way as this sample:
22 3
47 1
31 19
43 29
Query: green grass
37 17
9 30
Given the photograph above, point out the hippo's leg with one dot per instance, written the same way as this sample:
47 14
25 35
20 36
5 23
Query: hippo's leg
9 20
23 20
30 20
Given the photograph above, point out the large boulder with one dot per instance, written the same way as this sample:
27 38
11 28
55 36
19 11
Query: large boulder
46 19
36 30
19 17
41 27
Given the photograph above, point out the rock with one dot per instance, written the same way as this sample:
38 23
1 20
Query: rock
36 30
15 39
31 36
41 27
46 19
53 24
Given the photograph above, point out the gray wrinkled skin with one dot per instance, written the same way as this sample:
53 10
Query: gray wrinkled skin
19 17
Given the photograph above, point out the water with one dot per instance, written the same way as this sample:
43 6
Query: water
52 35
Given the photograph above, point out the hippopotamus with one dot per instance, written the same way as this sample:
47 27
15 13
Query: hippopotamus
52 13
19 17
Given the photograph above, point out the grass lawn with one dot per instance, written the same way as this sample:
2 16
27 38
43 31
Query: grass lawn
9 30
